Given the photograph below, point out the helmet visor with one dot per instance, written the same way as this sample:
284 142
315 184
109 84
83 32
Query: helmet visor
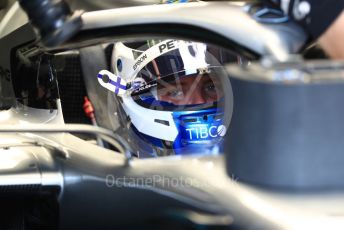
185 77
179 91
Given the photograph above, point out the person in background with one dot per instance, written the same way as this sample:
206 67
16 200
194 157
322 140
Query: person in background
322 19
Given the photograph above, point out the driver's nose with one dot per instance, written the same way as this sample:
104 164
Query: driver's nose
196 97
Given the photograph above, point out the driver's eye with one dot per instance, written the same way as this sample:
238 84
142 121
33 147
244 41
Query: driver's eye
209 88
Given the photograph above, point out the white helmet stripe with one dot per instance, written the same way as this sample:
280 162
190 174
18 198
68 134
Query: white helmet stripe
152 53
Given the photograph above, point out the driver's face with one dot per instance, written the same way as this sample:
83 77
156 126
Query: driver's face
190 90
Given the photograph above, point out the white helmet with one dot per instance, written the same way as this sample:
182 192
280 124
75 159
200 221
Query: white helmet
171 95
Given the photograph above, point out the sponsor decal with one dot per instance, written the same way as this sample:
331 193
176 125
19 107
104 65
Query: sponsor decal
152 53
221 130
168 45
205 132
139 61
144 87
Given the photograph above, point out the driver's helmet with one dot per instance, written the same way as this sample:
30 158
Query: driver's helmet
174 97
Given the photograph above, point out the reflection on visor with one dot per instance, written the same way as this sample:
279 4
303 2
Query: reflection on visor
177 91
190 90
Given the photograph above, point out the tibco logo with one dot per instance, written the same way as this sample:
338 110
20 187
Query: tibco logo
204 132
221 130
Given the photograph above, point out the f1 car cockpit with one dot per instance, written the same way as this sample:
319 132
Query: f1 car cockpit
167 116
